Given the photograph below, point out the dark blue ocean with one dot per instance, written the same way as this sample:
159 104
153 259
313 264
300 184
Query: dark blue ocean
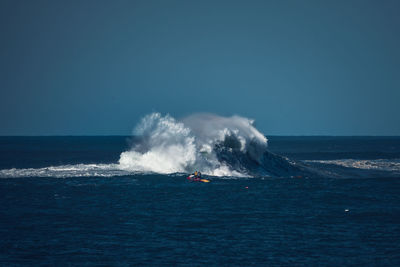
65 202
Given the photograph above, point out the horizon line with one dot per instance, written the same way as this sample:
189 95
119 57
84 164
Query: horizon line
121 135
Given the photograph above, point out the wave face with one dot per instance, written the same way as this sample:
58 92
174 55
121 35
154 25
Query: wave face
215 145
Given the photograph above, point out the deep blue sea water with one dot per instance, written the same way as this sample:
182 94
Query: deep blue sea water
87 213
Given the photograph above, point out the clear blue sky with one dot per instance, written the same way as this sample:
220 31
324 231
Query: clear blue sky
296 67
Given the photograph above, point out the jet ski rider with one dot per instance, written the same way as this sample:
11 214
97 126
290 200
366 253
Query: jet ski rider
197 174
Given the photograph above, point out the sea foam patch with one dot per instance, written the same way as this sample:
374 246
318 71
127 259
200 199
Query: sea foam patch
65 171
392 165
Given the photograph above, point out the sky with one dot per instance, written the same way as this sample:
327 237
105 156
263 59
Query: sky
296 67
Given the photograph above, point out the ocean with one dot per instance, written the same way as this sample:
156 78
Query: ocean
65 202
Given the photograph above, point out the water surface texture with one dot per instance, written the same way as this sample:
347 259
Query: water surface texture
66 201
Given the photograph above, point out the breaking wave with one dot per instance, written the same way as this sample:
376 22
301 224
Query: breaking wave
214 145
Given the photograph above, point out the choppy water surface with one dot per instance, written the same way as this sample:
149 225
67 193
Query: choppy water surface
65 201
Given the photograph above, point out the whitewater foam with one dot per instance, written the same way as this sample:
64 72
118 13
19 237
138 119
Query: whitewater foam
164 146
167 145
